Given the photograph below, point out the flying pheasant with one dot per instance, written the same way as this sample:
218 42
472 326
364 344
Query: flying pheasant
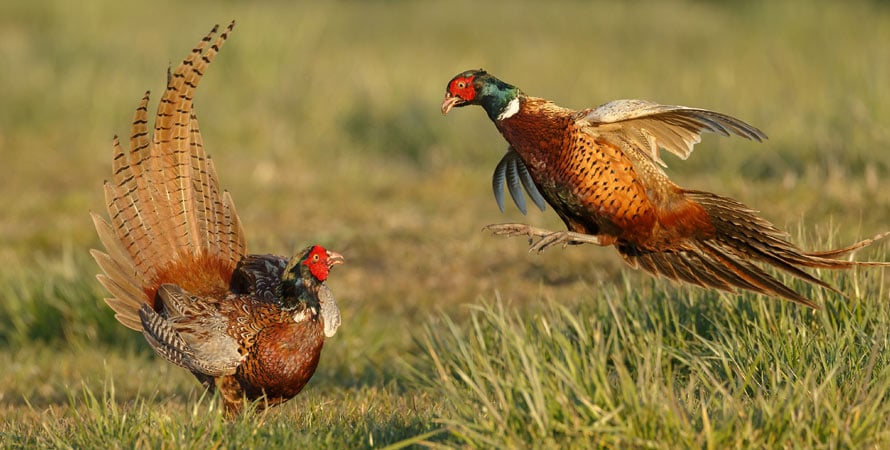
177 267
600 169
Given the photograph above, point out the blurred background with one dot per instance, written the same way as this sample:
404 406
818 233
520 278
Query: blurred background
323 121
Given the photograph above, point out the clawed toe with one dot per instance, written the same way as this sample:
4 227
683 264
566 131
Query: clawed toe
554 238
546 239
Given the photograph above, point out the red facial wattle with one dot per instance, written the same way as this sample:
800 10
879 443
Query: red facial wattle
319 261
316 260
462 87
460 91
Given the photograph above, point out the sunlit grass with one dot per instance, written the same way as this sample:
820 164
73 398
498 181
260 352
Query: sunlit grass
323 121
652 368
96 417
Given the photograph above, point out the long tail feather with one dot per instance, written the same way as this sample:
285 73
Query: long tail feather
169 220
726 260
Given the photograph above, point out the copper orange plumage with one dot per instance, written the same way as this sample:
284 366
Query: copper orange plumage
177 267
601 171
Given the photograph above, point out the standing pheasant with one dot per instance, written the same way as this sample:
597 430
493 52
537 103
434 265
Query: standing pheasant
601 171
176 265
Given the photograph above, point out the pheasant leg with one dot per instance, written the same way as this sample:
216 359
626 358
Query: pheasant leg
546 239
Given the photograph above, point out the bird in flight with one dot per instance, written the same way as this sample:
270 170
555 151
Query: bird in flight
601 170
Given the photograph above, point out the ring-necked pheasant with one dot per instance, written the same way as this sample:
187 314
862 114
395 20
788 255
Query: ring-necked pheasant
177 267
601 171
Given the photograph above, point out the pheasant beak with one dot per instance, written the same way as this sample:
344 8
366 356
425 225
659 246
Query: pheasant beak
450 102
335 258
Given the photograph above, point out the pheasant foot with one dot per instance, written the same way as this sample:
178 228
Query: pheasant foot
546 239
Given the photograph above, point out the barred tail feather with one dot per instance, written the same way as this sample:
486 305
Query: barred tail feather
201 181
837 253
169 220
756 237
726 260
235 243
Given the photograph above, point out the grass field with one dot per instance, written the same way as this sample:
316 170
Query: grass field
323 120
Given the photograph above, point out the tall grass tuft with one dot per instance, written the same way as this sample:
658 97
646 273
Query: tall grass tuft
643 367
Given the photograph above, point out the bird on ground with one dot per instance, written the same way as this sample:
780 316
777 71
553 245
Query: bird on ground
601 170
177 267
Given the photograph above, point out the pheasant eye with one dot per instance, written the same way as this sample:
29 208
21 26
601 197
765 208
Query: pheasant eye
461 84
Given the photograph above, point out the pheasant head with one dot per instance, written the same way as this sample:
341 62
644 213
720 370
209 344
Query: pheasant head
306 272
476 87
311 266
302 285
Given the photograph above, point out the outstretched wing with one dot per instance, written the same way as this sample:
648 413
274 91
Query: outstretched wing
648 126
512 172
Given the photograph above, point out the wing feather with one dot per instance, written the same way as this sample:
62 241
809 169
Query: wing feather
649 127
529 184
498 180
191 333
515 186
511 170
